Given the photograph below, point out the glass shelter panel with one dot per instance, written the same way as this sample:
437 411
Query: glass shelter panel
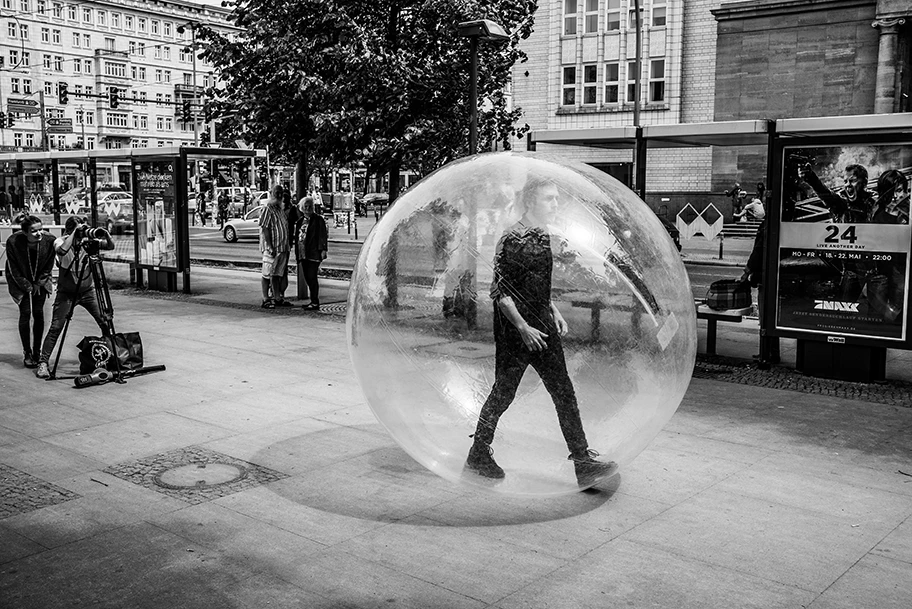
156 226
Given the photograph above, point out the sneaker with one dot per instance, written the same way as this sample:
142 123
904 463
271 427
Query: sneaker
311 307
481 461
42 372
589 471
28 361
283 303
267 304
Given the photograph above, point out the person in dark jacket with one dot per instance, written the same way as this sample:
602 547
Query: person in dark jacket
30 260
312 248
753 274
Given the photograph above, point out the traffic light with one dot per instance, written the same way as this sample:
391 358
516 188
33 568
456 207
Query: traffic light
2 120
10 120
186 113
113 97
63 93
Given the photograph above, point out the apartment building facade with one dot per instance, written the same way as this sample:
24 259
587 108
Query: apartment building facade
71 56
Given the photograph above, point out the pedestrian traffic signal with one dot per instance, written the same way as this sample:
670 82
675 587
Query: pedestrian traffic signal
63 93
113 97
186 113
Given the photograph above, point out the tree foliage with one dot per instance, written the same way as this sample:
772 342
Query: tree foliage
382 83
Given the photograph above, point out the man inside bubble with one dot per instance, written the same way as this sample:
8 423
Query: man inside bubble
527 332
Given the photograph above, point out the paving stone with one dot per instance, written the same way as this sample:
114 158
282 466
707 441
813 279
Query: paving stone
21 492
147 472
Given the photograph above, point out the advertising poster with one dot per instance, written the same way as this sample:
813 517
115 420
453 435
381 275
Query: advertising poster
156 200
844 241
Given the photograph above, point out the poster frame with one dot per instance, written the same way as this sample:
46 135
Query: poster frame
175 162
773 243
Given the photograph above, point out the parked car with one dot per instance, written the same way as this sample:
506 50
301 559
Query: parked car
247 227
115 212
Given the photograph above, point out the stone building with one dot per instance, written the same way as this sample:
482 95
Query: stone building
704 61
138 47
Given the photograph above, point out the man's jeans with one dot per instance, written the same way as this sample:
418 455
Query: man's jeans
86 299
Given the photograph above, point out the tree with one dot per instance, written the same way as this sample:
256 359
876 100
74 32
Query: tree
383 83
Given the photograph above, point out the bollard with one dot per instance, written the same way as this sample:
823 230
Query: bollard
721 239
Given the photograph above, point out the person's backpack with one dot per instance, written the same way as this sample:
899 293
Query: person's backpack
726 294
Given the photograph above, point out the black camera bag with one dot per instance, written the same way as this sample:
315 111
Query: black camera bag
95 352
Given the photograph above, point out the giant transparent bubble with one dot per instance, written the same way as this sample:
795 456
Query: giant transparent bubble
422 336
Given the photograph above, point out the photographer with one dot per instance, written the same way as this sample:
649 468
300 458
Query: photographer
77 242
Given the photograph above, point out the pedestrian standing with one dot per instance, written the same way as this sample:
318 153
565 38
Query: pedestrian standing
30 260
274 246
222 209
313 241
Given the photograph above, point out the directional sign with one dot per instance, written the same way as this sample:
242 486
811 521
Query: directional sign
60 125
22 106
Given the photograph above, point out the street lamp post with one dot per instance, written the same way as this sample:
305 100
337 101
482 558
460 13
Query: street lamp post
180 30
483 29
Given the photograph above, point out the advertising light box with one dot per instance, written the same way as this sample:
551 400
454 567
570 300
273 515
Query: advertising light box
844 239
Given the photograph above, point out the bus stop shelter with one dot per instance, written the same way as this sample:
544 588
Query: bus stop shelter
152 209
840 286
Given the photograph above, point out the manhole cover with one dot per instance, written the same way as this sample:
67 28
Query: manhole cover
199 475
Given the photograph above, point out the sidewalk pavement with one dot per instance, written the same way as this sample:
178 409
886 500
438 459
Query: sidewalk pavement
750 496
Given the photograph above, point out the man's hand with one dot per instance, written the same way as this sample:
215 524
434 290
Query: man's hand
533 339
562 327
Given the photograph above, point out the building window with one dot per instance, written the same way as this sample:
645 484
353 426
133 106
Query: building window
13 58
48 88
116 119
158 75
14 85
157 53
58 10
109 44
77 66
115 20
592 16
46 61
55 36
141 21
42 7
188 79
26 58
570 17
657 81
12 30
166 53
26 86
658 13
128 22
167 75
87 15
167 28
131 47
613 15
30 140
631 82
206 80
58 63
90 142
144 124
160 123
141 49
45 34
71 12
87 41
87 64
115 69
158 99
17 139
24 32
90 117
631 18
184 55
568 93
24 6
154 26
169 123
76 39
142 76
102 18
590 84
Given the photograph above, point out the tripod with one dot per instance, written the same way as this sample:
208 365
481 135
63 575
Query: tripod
103 297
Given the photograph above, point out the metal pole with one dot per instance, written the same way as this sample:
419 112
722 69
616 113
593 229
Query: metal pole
636 93
473 97
196 134
45 145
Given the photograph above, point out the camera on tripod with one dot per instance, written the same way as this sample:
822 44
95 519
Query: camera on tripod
84 231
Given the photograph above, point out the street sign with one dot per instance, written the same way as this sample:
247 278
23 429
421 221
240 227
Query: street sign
22 106
60 125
